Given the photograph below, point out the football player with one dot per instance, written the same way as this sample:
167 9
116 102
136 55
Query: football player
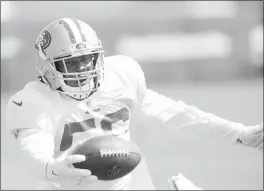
81 94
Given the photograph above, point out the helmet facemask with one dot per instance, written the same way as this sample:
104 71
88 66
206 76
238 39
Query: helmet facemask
81 79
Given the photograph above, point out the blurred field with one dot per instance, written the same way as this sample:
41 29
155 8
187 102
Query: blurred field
209 165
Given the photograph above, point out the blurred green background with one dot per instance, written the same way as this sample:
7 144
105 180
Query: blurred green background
206 53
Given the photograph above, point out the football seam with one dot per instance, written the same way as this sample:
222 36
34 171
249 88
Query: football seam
114 152
93 154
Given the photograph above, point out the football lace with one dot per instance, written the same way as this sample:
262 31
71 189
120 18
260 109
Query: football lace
114 152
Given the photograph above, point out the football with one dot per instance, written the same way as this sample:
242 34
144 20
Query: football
108 157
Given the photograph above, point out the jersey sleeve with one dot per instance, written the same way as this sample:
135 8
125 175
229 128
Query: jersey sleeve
27 119
28 108
177 114
135 75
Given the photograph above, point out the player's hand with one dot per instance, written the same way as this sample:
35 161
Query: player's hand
179 182
61 169
253 137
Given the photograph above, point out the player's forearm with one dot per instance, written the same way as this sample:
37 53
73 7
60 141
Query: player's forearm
177 114
37 147
203 123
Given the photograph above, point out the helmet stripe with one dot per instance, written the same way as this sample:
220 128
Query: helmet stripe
80 29
72 29
68 28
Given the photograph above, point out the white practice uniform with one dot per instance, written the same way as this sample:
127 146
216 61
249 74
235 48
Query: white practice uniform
54 122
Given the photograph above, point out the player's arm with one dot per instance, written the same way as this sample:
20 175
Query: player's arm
177 114
36 144
33 134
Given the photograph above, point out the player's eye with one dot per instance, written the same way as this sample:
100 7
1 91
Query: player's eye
75 64
79 60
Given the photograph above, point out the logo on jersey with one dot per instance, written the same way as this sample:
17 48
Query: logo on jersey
44 39
239 141
19 104
94 110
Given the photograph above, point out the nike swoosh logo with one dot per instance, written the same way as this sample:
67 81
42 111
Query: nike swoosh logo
19 104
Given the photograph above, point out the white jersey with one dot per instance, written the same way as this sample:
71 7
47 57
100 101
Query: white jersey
64 121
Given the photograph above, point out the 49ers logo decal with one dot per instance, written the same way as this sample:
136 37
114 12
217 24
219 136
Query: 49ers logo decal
44 39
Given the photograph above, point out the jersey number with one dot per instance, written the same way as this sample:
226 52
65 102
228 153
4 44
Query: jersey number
106 124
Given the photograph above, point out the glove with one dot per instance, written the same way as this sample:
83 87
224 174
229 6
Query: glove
253 137
61 170
179 182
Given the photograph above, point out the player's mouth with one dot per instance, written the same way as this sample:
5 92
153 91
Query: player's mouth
83 79
83 82
74 82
